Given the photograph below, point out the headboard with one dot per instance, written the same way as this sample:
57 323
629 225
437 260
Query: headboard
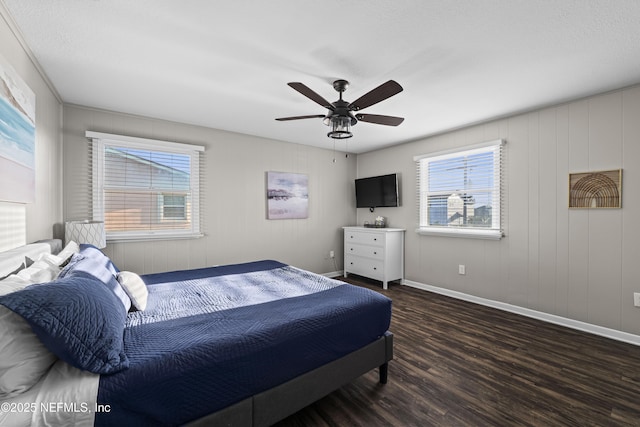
15 259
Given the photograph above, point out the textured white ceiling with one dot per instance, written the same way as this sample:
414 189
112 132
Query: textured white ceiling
226 65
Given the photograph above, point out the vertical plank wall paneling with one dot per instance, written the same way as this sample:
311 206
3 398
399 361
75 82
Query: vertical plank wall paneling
605 232
533 225
22 223
548 210
574 263
578 291
234 196
630 205
561 293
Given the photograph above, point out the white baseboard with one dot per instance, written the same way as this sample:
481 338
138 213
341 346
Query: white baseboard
333 274
551 318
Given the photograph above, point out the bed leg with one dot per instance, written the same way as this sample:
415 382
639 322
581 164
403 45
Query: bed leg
384 371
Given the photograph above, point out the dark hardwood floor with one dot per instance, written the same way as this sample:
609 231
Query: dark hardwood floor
461 364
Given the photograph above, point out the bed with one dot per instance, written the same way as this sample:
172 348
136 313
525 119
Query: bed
239 345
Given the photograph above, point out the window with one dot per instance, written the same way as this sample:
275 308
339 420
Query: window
173 206
459 192
145 189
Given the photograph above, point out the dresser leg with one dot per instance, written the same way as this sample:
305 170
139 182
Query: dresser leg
385 284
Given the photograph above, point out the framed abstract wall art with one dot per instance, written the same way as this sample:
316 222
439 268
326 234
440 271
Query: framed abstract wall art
287 195
601 189
17 137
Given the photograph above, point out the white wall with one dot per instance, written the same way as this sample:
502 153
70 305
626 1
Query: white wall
577 264
235 221
21 223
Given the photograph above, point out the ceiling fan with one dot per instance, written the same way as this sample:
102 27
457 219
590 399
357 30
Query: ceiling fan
340 115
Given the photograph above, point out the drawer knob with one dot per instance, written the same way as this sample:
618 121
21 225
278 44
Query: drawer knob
351 249
351 263
375 253
375 239
375 268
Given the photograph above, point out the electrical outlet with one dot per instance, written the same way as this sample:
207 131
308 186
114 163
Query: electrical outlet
461 269
332 254
636 299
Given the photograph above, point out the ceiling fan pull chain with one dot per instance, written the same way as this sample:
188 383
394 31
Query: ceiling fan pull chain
334 151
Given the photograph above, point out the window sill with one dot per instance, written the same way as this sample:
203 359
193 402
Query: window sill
461 232
151 237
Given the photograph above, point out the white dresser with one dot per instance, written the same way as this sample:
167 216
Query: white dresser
377 253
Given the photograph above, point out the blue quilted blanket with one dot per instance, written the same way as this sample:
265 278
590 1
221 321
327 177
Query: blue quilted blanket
212 337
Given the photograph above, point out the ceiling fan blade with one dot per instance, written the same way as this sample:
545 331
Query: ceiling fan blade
315 116
382 92
303 89
380 120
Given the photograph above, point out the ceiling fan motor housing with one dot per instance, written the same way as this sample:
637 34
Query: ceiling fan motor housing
341 109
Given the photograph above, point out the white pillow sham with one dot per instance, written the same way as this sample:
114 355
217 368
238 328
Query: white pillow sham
13 283
23 357
67 252
45 269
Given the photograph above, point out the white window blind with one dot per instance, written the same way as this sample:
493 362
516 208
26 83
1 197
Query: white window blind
459 192
145 189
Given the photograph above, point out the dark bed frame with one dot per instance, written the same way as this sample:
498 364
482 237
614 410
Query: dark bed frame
270 406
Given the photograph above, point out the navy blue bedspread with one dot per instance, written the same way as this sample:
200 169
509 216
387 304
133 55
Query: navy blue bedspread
212 337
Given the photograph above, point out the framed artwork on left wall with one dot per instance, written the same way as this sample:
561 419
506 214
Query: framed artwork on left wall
17 137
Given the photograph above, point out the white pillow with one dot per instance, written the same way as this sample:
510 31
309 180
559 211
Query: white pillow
23 357
45 269
68 251
135 288
13 283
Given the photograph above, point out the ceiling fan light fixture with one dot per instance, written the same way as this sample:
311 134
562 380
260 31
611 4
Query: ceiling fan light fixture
340 127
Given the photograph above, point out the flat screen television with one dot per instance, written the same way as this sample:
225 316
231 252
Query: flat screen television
377 191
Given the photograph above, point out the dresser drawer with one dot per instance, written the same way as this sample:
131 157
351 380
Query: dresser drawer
368 267
364 251
363 238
